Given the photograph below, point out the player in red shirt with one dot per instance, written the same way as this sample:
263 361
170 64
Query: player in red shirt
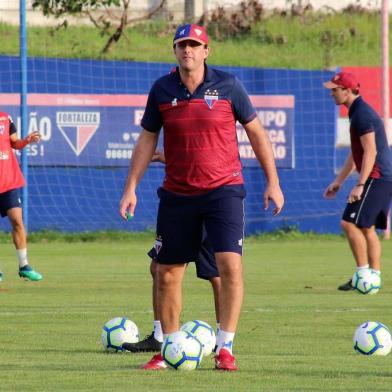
11 180
198 107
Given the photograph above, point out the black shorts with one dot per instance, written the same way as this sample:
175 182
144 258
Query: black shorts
372 209
205 263
8 200
181 220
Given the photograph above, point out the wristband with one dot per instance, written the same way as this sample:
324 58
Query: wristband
360 185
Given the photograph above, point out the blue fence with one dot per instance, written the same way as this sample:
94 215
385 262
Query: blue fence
89 112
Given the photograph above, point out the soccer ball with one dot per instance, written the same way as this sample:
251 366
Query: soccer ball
372 338
118 331
203 332
366 281
182 351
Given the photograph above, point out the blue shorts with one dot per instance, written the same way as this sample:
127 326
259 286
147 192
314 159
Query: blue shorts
181 219
8 200
205 263
372 209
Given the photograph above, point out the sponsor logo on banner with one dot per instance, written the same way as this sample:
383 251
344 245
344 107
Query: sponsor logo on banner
78 128
210 96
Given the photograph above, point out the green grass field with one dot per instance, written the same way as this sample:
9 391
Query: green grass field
295 332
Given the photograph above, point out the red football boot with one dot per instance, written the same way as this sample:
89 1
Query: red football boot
155 363
225 361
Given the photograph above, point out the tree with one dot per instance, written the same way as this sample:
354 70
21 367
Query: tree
102 13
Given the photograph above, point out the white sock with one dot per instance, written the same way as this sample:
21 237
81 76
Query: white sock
378 272
225 340
217 328
164 336
22 257
158 331
363 267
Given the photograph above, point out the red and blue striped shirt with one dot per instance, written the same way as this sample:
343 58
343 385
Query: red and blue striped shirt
200 139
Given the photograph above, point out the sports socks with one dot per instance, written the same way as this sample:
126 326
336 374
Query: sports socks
22 257
225 340
158 335
362 267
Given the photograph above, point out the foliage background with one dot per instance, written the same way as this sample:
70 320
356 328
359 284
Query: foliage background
310 41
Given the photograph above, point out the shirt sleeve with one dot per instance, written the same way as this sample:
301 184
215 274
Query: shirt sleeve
244 111
12 126
152 119
363 124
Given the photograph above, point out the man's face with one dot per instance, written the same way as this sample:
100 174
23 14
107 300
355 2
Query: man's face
190 54
340 95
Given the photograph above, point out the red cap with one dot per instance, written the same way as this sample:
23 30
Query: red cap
344 80
192 32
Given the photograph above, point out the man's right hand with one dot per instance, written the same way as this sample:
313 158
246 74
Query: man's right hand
128 204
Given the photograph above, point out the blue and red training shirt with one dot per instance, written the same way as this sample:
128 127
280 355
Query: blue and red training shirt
11 176
364 119
200 139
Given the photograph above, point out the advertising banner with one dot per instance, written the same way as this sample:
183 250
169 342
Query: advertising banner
101 130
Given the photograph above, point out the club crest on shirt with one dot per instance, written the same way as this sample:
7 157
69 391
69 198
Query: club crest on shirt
2 129
211 96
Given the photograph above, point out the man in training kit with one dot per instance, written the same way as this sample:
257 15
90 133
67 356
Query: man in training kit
368 202
11 179
198 107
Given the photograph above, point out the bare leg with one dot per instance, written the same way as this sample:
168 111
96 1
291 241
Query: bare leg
373 248
154 274
216 284
169 295
357 241
18 230
232 289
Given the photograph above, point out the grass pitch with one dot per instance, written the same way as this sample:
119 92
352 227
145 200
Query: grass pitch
295 332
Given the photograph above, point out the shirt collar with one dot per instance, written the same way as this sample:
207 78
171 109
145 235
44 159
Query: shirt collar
354 105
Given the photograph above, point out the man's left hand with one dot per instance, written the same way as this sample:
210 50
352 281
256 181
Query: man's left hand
33 137
274 193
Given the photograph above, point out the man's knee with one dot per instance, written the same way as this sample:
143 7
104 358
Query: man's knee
15 217
230 267
369 232
153 269
169 275
348 227
17 225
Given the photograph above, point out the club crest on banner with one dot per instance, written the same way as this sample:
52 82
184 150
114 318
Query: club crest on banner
78 128
211 96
